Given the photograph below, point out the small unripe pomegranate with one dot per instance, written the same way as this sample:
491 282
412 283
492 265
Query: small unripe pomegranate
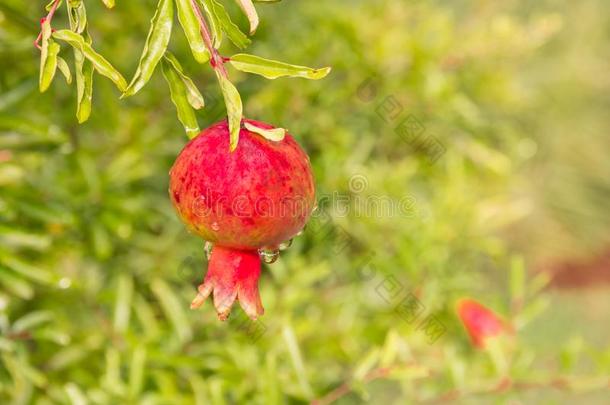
480 322
245 204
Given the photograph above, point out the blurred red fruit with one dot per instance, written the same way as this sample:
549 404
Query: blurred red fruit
480 322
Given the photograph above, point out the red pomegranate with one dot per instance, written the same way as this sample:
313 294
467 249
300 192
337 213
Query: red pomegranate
245 203
480 322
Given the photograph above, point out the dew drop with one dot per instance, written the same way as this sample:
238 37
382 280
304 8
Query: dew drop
285 245
301 231
64 283
269 256
207 248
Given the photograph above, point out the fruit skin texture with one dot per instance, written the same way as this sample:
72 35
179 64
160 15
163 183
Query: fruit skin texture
255 197
480 322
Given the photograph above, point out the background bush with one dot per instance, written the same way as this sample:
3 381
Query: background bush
96 271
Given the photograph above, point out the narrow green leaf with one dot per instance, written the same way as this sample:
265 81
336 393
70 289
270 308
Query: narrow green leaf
137 370
190 26
146 316
48 58
75 394
296 359
366 364
83 69
272 69
15 285
517 280
16 94
50 4
213 21
234 109
84 85
122 304
179 96
108 3
155 46
32 320
248 8
275 134
64 69
173 309
77 15
27 270
224 21
193 94
100 64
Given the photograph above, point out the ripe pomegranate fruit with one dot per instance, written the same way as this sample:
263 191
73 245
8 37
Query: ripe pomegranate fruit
245 203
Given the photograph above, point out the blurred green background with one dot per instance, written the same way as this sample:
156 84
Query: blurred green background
96 271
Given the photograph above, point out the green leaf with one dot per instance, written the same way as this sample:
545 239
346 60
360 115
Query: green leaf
75 394
173 309
100 64
155 46
272 69
83 69
16 94
64 69
32 320
122 304
108 3
190 26
248 8
16 285
48 58
84 85
275 134
50 4
77 15
179 95
214 22
27 270
224 21
234 109
194 96
137 370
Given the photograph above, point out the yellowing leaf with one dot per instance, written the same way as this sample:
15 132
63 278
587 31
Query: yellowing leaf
275 134
234 109
48 58
272 69
248 9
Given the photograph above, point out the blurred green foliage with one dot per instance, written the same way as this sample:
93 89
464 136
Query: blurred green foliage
96 271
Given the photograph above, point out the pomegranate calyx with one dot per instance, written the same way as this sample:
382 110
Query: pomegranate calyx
232 275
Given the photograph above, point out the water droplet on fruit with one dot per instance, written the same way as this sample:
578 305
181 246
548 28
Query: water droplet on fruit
269 256
215 226
207 248
301 231
285 245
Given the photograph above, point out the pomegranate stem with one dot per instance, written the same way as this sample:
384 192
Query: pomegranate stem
216 61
